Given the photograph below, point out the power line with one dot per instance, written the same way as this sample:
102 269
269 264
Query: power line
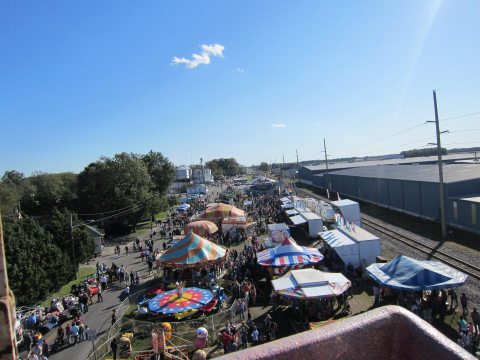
460 116
458 80
112 211
461 131
125 212
385 137
463 143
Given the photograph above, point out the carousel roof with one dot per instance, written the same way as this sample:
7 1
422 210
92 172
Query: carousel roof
192 251
201 227
221 211
289 253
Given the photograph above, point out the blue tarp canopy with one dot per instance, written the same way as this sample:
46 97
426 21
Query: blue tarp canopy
404 273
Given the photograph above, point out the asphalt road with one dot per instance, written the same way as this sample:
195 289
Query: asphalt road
99 315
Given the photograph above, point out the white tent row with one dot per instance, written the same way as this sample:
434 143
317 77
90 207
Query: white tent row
357 247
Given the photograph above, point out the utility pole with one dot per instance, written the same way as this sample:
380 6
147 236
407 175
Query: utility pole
443 221
73 243
326 164
294 177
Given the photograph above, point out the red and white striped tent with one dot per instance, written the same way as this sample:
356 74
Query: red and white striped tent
289 253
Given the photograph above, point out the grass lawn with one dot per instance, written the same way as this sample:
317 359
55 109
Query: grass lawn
65 289
144 227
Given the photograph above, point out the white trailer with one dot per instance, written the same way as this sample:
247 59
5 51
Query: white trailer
314 222
349 209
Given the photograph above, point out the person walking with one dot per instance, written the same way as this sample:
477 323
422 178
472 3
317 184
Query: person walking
464 302
475 320
255 336
74 330
114 317
99 294
453 298
113 348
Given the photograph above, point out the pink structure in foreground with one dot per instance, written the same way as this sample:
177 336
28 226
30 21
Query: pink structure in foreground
389 332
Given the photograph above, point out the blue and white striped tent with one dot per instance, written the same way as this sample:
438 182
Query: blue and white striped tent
404 273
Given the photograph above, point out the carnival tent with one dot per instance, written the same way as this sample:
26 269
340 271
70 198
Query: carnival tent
289 253
221 211
171 302
307 284
404 273
192 251
202 228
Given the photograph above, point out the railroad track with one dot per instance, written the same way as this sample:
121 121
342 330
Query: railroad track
432 252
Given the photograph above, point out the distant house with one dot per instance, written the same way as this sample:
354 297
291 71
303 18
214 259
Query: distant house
200 177
97 236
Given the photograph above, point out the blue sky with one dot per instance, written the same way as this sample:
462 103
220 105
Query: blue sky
89 78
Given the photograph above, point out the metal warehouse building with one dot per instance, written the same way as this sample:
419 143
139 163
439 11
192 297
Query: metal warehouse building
414 189
314 175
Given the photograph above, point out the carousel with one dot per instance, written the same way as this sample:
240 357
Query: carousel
190 253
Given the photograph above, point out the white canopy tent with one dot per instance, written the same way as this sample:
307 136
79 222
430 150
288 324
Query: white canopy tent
311 284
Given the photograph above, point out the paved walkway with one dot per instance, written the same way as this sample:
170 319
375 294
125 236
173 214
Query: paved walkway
99 315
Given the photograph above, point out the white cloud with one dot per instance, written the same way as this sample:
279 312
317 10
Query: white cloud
278 125
240 70
204 58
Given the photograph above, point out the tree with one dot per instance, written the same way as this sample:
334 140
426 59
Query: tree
121 182
12 187
264 167
49 191
35 265
160 169
83 246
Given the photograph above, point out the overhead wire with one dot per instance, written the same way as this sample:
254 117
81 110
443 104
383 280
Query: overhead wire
109 212
460 116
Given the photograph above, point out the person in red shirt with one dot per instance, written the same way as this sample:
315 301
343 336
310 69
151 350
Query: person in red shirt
226 339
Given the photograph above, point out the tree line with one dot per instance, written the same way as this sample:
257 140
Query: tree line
43 251
224 167
422 152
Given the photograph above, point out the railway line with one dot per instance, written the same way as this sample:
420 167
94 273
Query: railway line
431 251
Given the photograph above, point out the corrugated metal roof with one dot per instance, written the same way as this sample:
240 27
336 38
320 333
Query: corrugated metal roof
475 198
425 173
344 165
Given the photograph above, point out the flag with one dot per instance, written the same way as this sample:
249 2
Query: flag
338 196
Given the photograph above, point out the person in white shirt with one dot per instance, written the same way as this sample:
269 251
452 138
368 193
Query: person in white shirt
255 336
